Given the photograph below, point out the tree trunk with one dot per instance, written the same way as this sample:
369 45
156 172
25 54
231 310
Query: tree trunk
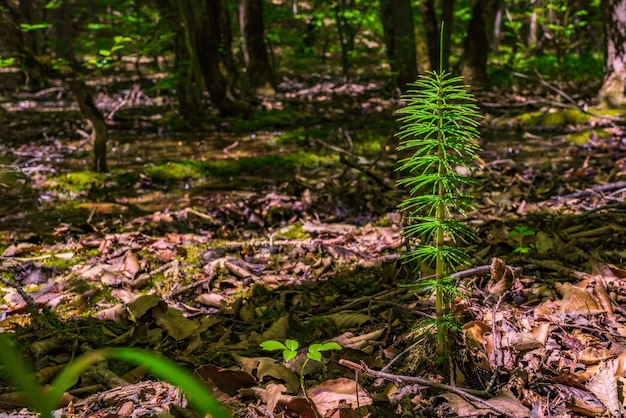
399 34
255 57
12 39
476 47
447 18
346 34
64 32
431 29
30 12
89 110
612 92
187 76
206 26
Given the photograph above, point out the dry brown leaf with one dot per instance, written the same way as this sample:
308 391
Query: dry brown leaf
541 332
604 386
592 355
505 401
576 299
211 299
278 330
228 381
263 367
603 295
330 394
523 341
364 342
474 332
619 364
502 278
131 265
274 392
175 324
348 319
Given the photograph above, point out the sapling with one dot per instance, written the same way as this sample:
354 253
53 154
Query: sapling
439 125
521 231
290 350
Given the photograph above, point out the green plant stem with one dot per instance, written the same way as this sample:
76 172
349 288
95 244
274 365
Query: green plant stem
306 396
440 262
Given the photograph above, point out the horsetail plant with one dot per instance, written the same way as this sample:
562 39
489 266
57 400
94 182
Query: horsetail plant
439 124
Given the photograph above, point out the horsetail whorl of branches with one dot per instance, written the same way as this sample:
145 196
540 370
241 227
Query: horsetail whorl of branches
439 124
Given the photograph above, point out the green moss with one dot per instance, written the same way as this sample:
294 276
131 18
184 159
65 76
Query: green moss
58 263
79 181
582 137
292 232
541 119
174 171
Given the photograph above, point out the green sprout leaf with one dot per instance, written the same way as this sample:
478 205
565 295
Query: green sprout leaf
292 345
273 345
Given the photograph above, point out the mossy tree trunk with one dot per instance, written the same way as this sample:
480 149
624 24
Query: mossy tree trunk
399 34
613 90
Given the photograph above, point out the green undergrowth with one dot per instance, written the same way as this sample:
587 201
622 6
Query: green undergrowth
552 119
560 118
583 137
275 167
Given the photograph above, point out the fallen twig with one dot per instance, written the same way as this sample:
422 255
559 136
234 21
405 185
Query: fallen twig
469 394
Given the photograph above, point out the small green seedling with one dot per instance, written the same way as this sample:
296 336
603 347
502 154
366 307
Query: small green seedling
520 232
290 350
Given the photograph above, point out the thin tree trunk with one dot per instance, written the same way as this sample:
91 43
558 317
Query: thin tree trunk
476 46
447 17
187 76
64 32
399 34
255 57
89 110
612 92
431 29
497 29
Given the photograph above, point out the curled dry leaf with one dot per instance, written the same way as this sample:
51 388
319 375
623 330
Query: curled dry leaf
364 342
575 299
592 355
332 393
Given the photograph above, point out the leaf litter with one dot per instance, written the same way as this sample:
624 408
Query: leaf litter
542 333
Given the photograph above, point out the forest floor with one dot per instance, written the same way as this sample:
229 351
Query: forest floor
200 246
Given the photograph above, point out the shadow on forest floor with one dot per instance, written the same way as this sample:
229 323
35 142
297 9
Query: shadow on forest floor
202 246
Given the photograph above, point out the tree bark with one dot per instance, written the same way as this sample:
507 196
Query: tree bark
187 76
612 92
447 18
476 47
89 110
64 32
399 34
255 57
431 29
208 36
